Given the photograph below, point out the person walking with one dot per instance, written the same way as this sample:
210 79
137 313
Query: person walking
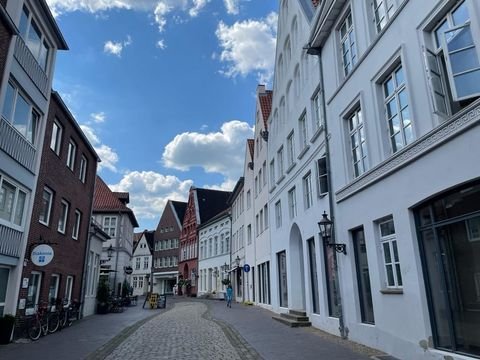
229 296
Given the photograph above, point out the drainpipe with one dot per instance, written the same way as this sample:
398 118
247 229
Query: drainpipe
318 52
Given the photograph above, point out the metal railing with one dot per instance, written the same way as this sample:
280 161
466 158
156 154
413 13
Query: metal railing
10 241
15 145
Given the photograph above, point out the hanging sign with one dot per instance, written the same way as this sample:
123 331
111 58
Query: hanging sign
246 268
42 255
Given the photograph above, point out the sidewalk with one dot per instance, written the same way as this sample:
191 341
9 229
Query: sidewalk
275 341
83 337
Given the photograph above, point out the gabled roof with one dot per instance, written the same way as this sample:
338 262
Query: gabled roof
217 217
211 202
149 238
236 190
251 147
265 100
106 201
61 43
180 207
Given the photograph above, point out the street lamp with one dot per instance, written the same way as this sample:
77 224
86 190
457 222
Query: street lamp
237 261
110 252
326 228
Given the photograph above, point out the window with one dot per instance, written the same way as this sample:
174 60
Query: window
257 225
358 142
33 292
56 140
317 112
453 43
12 202
94 273
290 149
83 169
265 214
110 225
280 163
34 38
347 41
76 224
264 173
62 221
72 150
302 127
134 281
145 262
307 191
260 217
53 289
137 263
382 12
322 182
278 214
4 274
47 199
140 282
272 174
18 111
260 176
396 109
249 234
68 288
388 242
292 203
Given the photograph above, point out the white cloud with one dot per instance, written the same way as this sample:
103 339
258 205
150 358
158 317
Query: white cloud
99 117
161 44
249 47
231 6
215 152
108 156
198 5
150 191
116 48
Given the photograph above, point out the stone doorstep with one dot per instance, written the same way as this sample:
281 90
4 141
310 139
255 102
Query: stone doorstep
292 323
294 317
297 312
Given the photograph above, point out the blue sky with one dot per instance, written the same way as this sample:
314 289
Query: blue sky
165 89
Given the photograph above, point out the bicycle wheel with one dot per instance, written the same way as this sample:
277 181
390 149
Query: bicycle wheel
34 329
53 322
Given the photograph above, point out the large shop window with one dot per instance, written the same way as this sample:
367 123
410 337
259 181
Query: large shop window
449 235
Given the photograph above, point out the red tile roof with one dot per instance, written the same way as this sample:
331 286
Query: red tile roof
266 106
251 147
105 200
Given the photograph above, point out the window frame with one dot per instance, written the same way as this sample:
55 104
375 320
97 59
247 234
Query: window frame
278 214
17 209
77 224
108 228
391 241
43 41
376 4
32 308
292 203
50 204
307 191
56 138
82 175
291 149
322 175
349 53
355 127
65 207
303 131
71 155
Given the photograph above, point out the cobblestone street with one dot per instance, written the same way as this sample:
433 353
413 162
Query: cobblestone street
188 329
181 333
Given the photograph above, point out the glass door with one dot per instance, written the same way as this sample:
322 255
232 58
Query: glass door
282 278
313 275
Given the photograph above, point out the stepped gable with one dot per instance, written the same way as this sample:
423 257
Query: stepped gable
211 203
106 201
266 106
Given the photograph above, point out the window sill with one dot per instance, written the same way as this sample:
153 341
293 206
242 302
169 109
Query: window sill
392 291
303 152
281 179
316 134
291 167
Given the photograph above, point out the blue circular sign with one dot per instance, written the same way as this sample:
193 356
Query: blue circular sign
246 268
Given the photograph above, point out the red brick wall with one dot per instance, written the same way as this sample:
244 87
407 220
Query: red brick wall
189 237
65 184
5 38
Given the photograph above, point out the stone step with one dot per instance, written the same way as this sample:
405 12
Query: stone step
292 323
297 312
294 317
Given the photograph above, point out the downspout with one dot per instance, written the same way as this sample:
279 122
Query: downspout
318 52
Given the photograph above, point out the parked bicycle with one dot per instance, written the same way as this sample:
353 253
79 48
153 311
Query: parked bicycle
42 322
68 312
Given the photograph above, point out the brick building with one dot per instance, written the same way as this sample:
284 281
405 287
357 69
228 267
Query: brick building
61 212
166 244
203 204
7 30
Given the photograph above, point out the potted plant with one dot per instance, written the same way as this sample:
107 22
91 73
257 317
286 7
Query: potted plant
226 282
103 292
7 323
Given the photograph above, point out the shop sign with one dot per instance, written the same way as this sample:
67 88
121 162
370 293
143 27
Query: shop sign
42 255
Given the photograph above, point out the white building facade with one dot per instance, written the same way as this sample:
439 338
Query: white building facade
214 255
403 115
24 100
298 181
141 265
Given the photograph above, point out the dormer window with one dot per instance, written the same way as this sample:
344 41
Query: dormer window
33 37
